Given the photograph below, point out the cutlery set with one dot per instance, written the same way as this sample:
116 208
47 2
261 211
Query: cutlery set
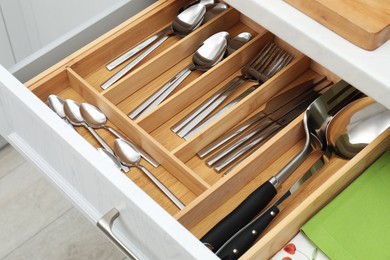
324 122
124 155
189 19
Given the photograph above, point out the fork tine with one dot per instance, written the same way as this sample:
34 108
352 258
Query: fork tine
267 60
280 64
260 56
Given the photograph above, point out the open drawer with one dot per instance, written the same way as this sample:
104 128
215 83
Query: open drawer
149 224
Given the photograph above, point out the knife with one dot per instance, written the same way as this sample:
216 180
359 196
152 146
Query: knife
238 244
274 123
241 215
279 118
272 106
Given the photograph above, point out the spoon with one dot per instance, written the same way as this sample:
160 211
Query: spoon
139 47
355 126
186 22
214 11
206 3
130 156
207 107
57 105
110 158
95 118
210 53
72 113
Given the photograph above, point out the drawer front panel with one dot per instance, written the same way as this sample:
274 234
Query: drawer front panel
94 186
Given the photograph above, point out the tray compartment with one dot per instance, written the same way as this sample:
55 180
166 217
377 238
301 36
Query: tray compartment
208 196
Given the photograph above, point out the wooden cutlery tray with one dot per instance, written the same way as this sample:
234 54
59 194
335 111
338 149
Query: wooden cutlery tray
208 196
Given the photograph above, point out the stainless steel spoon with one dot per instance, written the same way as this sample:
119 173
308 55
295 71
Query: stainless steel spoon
72 112
110 158
130 156
95 118
207 107
57 105
355 126
210 53
186 22
216 9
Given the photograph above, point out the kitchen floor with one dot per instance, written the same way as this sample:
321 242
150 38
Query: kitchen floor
37 222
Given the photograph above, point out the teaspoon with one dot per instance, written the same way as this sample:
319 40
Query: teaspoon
57 105
95 118
130 156
72 112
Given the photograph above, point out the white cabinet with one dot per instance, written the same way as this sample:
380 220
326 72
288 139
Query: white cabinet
96 187
6 52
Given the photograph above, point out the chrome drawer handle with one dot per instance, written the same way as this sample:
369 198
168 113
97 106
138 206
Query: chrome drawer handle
105 225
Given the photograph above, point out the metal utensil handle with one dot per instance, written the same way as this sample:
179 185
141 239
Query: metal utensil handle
104 144
220 112
207 111
140 110
239 141
144 154
130 53
105 225
205 105
132 64
168 89
230 135
162 187
246 147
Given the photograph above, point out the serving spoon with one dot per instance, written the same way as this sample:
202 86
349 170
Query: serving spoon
210 53
355 126
129 156
350 130
186 22
95 118
72 113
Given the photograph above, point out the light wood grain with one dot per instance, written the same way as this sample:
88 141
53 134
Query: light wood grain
365 23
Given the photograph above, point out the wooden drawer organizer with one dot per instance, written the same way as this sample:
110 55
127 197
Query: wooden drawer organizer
208 196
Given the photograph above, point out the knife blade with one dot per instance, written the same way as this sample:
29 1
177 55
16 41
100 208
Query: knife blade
272 106
238 244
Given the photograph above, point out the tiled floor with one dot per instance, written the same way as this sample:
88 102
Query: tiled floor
37 222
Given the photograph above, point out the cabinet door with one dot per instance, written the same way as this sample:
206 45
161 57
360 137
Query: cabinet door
6 57
93 185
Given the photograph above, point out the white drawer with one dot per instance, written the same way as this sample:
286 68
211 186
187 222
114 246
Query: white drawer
158 230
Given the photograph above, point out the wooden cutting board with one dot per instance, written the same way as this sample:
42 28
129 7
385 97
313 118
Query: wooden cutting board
366 23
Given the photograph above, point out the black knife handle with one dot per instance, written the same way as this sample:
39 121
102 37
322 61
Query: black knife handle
247 236
240 216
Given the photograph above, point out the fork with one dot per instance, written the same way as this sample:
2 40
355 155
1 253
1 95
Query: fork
262 67
316 118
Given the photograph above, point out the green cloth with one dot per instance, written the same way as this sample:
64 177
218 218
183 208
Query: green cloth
356 224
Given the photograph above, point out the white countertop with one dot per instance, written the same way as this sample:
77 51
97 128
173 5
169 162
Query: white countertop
368 71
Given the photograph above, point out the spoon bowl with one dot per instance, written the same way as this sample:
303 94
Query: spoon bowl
210 53
355 126
95 118
186 22
72 112
131 157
